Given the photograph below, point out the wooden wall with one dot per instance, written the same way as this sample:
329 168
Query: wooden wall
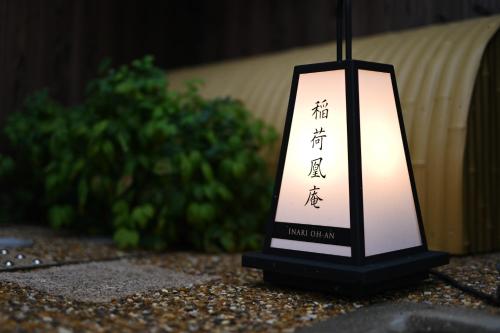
59 43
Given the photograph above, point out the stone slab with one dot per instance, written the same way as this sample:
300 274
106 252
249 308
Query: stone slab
102 281
409 318
15 260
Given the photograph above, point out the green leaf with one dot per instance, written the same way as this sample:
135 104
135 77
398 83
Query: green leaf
224 193
100 127
126 238
185 167
125 87
124 184
163 167
52 181
207 171
120 207
123 142
142 214
199 214
60 216
78 166
227 241
252 241
83 191
6 165
108 149
238 169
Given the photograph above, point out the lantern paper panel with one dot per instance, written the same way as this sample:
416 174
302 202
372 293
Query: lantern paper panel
315 183
389 211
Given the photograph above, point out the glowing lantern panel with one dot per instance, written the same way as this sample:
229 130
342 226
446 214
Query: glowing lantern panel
390 216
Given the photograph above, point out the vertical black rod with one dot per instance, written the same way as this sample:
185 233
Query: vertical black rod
348 30
340 15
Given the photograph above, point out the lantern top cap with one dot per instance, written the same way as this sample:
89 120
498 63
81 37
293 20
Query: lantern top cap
344 64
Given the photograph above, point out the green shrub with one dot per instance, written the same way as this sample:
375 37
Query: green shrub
153 167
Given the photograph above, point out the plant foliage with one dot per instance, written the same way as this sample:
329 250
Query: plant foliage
150 166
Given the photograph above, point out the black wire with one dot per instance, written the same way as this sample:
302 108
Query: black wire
490 299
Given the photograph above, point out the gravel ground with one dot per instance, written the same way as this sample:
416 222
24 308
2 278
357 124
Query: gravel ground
235 301
238 301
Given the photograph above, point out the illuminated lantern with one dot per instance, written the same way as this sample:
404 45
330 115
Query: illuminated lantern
345 214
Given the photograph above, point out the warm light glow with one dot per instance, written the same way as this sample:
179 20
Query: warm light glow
390 219
296 183
380 148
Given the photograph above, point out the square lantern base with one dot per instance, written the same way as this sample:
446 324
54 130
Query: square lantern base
344 278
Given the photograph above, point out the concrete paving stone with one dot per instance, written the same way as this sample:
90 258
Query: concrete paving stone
102 281
409 318
14 260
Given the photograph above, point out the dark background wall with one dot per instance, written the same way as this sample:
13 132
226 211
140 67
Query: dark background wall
59 43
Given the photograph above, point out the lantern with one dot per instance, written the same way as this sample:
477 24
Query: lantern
345 213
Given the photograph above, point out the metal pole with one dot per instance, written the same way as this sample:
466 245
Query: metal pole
340 15
348 30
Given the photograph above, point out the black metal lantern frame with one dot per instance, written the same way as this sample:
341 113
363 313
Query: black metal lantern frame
358 273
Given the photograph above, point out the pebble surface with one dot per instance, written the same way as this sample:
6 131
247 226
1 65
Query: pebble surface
235 301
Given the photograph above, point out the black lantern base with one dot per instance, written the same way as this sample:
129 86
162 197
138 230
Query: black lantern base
344 278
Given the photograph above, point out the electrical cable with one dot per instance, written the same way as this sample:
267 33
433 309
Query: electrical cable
488 298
